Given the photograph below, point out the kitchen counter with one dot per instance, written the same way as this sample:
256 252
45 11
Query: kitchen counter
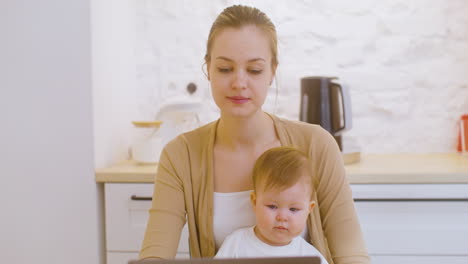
431 168
403 202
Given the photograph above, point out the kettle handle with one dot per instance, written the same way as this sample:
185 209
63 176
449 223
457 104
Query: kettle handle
341 109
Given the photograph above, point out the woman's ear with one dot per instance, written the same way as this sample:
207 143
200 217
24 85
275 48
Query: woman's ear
274 73
312 205
208 71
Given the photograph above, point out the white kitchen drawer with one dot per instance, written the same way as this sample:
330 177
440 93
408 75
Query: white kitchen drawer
415 227
410 191
126 218
419 259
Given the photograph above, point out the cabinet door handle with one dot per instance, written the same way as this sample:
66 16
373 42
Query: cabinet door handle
141 198
411 199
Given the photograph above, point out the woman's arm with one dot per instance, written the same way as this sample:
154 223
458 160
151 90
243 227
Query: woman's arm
339 220
167 215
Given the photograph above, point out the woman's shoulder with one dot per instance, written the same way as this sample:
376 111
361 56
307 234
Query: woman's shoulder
197 137
188 150
301 131
299 126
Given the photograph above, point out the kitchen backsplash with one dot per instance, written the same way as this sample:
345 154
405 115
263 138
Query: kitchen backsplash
405 62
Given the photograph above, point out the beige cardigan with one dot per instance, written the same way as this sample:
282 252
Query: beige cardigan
184 190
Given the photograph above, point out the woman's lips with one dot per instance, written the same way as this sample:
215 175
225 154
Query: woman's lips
238 99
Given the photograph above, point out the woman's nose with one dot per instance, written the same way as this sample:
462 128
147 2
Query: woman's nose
240 80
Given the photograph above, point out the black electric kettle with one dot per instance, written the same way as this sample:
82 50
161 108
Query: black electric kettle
324 101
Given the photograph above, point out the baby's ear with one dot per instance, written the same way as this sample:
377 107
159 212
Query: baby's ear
312 205
253 198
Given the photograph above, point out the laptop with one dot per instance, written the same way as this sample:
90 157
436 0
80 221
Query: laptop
276 260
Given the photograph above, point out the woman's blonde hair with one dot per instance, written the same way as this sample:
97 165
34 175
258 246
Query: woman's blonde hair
237 16
281 168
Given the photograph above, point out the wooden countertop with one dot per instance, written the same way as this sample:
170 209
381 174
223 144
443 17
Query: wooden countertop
371 169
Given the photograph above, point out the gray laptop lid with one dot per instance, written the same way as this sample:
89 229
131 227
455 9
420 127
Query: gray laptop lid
281 260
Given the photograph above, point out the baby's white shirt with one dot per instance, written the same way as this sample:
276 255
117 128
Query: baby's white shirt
243 243
232 211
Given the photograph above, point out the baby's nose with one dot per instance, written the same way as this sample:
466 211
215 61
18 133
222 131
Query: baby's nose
281 216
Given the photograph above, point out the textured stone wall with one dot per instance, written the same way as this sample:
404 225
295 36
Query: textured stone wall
405 62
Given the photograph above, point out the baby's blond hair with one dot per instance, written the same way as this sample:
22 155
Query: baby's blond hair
281 168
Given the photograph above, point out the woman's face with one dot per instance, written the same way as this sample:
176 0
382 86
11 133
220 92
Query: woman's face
240 70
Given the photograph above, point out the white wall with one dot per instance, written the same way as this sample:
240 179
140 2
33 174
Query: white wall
114 78
405 63
48 196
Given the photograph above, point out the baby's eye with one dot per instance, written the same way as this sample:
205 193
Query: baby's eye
224 70
294 209
271 206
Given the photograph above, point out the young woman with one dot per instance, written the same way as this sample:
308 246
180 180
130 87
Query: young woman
204 176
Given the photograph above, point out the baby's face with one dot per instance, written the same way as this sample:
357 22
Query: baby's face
281 215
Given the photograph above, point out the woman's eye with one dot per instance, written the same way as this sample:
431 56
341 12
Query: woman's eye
224 70
253 71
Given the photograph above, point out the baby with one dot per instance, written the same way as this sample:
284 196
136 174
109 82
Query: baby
282 201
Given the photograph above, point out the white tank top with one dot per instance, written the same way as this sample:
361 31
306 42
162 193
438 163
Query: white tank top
232 211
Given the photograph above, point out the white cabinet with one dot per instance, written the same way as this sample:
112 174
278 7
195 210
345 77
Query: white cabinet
401 223
419 259
421 218
408 223
126 207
